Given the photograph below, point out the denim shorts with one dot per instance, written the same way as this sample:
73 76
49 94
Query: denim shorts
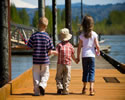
88 65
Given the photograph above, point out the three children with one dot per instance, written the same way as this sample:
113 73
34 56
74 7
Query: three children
43 47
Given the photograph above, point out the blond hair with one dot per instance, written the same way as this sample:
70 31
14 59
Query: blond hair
43 22
87 25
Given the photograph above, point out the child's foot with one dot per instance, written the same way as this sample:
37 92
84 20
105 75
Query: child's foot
84 90
65 93
92 92
59 91
42 91
36 94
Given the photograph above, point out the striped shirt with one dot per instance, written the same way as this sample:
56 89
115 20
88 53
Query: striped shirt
41 44
65 51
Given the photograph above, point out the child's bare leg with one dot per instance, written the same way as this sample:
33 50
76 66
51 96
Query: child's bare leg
92 92
91 85
84 88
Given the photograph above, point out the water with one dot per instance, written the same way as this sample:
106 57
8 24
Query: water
117 43
20 63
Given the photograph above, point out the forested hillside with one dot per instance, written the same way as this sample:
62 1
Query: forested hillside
114 24
19 16
98 12
109 19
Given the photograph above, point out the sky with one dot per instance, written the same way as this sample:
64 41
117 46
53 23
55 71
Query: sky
34 3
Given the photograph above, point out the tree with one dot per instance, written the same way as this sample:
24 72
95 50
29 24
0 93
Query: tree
24 17
35 19
61 19
14 15
114 24
75 26
48 14
63 15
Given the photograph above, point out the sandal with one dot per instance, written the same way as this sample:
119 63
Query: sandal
84 90
92 92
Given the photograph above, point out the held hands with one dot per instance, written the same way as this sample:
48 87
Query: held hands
52 52
77 60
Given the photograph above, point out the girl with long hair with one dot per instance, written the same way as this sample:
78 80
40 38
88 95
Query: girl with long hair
88 41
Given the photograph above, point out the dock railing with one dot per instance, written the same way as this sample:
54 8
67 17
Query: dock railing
118 65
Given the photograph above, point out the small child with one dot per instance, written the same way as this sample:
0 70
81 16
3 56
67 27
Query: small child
41 44
65 53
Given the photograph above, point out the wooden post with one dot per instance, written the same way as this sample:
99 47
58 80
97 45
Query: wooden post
9 41
54 10
81 10
41 8
68 18
4 74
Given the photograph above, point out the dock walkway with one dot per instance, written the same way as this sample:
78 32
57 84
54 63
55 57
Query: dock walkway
104 90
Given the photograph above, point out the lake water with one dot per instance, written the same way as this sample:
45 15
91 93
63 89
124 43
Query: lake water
20 63
117 43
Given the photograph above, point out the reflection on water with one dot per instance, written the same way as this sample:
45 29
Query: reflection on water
20 63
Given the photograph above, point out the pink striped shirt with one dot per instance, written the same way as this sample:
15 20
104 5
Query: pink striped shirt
65 51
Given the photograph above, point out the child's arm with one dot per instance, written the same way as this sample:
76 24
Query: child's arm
97 46
79 50
52 52
73 57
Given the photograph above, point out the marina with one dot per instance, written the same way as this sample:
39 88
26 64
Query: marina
16 76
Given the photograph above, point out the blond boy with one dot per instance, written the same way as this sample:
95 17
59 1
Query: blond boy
41 44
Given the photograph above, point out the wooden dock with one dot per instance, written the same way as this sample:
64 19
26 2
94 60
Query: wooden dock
21 88
104 91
